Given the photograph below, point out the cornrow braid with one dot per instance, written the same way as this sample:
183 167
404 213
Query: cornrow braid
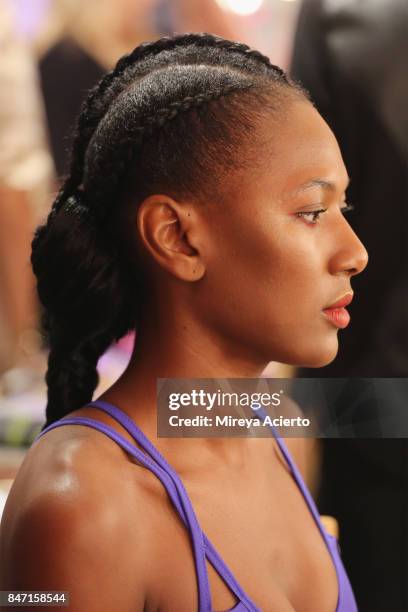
116 165
88 118
169 118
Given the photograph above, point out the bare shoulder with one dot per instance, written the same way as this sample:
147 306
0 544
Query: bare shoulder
72 523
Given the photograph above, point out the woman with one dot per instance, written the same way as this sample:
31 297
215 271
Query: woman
204 207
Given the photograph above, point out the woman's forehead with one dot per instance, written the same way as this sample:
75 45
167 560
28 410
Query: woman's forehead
301 153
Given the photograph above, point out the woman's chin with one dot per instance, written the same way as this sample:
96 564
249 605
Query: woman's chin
319 356
323 359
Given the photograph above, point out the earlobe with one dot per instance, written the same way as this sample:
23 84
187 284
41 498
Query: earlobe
166 230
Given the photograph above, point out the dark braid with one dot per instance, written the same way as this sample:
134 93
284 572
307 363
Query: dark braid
163 120
131 139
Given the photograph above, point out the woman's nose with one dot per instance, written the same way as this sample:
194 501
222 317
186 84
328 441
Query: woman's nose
350 254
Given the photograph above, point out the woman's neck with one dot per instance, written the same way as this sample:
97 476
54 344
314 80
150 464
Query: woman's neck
179 351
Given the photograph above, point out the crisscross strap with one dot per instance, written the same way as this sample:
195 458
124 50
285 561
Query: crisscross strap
202 547
176 496
211 553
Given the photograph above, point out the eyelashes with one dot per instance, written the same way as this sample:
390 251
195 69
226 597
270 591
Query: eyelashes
315 214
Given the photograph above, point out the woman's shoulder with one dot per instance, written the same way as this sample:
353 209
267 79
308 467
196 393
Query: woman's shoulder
80 469
74 511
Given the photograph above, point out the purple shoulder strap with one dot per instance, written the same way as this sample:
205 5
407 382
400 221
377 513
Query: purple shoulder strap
210 552
202 547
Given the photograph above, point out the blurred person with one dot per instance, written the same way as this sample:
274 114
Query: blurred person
188 213
353 57
79 42
26 174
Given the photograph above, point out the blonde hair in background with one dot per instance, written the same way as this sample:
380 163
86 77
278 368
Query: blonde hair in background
106 29
60 16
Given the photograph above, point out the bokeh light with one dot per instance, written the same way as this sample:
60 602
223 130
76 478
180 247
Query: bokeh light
241 7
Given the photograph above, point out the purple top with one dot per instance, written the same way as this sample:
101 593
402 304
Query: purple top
202 547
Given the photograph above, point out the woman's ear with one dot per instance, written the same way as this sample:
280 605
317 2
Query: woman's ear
170 232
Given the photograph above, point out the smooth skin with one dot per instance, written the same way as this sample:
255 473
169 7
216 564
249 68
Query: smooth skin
232 287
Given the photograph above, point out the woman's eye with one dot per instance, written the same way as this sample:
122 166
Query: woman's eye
312 216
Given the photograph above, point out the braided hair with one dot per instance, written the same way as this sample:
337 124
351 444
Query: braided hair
170 115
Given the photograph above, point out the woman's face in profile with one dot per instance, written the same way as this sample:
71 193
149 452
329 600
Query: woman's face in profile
272 266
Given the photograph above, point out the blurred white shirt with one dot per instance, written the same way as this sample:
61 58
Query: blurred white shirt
25 161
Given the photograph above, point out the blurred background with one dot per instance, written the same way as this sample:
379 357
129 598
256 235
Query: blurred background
352 55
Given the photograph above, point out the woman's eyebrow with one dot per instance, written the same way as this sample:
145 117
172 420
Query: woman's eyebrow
327 185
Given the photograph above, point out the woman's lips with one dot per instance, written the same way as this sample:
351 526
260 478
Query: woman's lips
337 314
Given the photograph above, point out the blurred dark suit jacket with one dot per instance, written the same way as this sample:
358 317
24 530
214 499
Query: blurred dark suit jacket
352 55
